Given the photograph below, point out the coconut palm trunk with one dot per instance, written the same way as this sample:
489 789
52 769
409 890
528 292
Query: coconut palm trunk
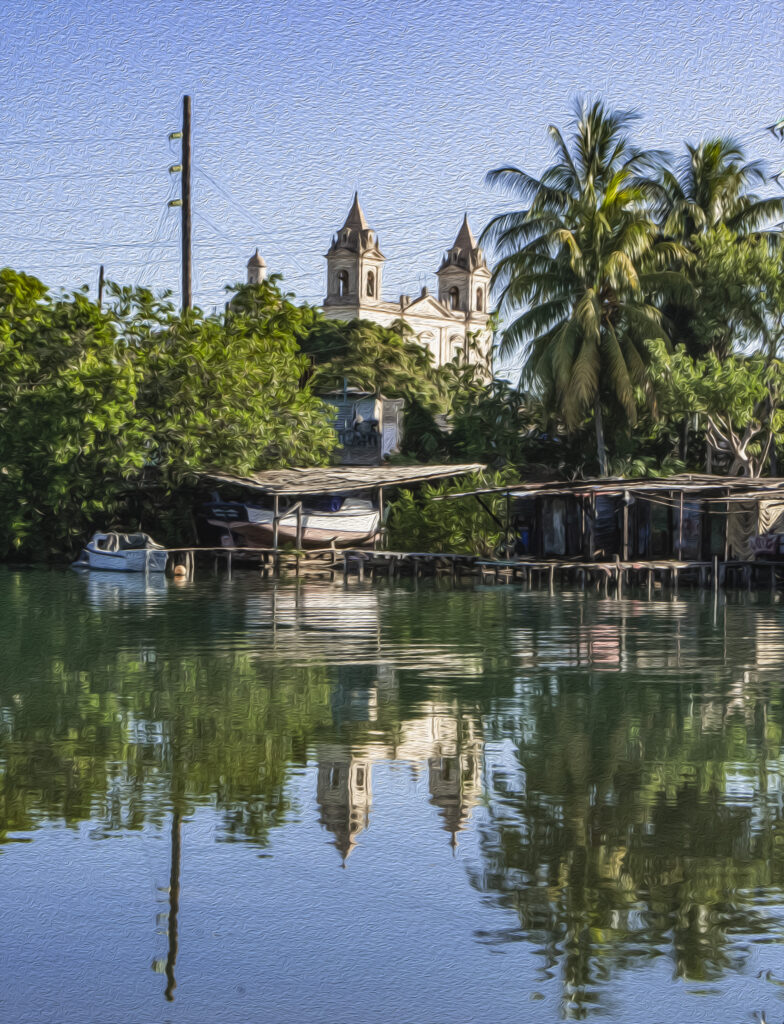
601 451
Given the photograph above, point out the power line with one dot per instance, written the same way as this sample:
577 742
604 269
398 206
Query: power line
77 176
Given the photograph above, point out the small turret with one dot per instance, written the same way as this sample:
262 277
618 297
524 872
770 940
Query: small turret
257 269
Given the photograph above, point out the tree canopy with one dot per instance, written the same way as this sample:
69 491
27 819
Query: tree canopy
102 409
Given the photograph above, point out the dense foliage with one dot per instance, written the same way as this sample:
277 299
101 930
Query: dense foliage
618 247
418 523
108 414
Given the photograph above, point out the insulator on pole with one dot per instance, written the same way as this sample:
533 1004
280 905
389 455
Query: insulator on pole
175 168
175 202
175 135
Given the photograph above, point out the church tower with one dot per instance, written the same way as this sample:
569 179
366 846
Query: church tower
463 279
354 266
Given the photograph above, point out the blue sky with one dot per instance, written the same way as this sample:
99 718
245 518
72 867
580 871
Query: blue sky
298 104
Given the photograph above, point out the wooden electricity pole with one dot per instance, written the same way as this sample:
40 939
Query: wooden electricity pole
187 295
100 287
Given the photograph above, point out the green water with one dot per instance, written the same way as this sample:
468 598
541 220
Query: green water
228 801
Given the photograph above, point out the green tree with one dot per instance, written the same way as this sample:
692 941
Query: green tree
385 360
713 186
108 416
70 440
220 391
582 267
417 523
738 400
711 195
740 294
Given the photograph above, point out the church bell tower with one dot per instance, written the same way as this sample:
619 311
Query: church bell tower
354 265
463 277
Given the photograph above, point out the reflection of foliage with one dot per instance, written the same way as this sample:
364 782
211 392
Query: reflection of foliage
628 814
612 836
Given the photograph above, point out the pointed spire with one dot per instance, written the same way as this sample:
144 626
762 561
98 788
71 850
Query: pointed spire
465 240
356 218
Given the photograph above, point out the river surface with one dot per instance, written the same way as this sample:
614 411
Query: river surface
230 801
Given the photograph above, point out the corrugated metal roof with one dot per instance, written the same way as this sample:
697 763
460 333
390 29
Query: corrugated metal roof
340 479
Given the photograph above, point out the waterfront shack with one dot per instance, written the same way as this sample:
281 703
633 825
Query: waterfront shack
688 518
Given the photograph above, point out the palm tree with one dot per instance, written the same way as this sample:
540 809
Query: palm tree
713 186
580 267
711 189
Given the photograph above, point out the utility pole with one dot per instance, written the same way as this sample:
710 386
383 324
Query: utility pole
187 296
184 168
100 288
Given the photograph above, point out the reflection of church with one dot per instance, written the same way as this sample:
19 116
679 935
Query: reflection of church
441 323
450 746
344 795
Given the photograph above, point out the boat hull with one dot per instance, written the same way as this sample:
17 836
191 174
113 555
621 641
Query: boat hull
261 535
143 560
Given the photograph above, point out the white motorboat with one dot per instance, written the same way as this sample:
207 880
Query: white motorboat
122 552
352 523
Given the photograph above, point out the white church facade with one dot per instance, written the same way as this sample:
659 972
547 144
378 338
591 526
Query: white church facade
443 323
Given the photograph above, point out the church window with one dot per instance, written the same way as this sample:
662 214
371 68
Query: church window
454 298
479 299
334 777
360 778
343 283
371 284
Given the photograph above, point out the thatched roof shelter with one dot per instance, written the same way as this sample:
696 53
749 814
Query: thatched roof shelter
340 479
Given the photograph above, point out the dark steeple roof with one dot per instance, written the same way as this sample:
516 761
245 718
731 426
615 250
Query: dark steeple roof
465 253
356 235
356 218
464 240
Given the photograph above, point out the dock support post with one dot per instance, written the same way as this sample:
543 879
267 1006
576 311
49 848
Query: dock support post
715 580
650 584
552 580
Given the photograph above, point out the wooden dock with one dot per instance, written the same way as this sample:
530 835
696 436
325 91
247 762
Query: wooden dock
363 563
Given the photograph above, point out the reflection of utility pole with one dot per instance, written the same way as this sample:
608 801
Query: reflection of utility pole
177 804
174 899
